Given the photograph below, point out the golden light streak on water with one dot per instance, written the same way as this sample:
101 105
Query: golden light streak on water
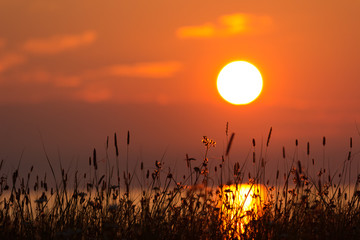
239 204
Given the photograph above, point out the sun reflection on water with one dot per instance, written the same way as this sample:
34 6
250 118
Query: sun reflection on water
239 204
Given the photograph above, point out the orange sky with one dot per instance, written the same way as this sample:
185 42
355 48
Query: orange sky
77 71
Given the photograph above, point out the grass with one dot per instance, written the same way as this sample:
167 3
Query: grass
109 205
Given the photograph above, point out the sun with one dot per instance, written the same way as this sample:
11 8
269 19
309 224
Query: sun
239 82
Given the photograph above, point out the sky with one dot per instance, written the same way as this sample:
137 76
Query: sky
74 72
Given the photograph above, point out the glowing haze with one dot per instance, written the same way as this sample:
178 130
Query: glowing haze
74 72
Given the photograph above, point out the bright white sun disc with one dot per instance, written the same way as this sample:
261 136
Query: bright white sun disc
239 82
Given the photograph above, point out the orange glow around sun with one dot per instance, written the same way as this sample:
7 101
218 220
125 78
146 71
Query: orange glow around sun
239 82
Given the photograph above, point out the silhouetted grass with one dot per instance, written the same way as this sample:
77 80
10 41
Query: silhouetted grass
110 206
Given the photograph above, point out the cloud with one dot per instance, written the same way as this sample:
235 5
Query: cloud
108 83
149 70
10 60
139 70
67 81
96 85
43 77
59 43
202 31
93 93
228 25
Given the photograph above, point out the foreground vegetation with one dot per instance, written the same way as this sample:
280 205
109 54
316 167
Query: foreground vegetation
108 205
